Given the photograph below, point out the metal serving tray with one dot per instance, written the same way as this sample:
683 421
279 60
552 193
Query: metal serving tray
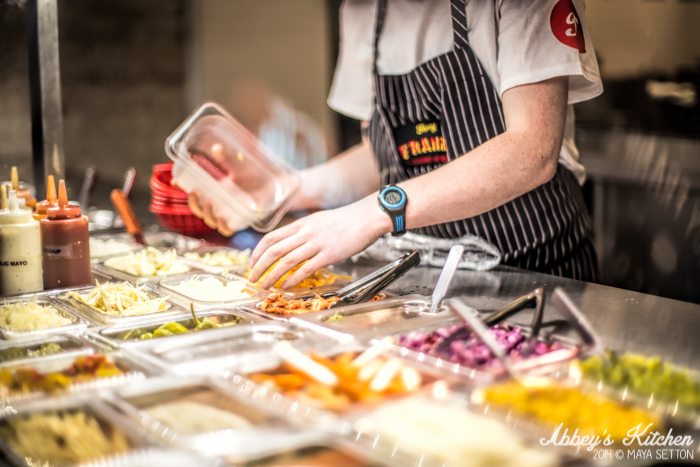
118 275
675 411
373 319
111 335
290 407
222 349
157 457
46 299
133 370
124 238
361 435
168 286
172 240
71 345
299 292
236 269
546 363
533 430
96 316
253 307
105 415
266 435
317 454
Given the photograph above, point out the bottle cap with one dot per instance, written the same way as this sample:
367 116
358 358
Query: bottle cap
63 210
22 192
42 207
15 214
14 177
3 197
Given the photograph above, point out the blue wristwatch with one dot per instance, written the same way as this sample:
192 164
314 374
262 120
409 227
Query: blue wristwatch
393 200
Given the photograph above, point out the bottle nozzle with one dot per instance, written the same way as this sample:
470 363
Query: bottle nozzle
13 204
14 176
3 197
50 189
62 193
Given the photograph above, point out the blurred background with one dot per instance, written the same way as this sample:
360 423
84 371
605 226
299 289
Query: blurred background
131 71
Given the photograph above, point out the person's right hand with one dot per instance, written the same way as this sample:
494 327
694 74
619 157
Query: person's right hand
203 209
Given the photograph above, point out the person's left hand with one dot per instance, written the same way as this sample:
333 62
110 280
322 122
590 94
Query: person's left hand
322 238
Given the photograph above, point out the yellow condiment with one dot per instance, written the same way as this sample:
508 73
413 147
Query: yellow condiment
591 413
319 278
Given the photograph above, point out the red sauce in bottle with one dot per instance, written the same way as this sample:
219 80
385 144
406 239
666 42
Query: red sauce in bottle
65 242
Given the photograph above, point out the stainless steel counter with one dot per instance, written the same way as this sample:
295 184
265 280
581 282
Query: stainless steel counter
624 319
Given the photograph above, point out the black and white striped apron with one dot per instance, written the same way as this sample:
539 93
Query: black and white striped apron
547 229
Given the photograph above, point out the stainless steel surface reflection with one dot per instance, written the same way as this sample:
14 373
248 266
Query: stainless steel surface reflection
625 320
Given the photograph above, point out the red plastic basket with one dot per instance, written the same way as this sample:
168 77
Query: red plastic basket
169 205
185 224
160 183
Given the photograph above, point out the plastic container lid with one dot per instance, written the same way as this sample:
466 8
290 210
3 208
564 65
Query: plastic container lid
216 156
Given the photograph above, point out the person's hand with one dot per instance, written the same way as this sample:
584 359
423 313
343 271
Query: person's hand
203 209
322 238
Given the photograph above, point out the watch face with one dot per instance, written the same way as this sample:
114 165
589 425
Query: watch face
392 197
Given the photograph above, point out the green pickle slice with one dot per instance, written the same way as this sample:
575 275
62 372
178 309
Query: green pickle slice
645 376
173 328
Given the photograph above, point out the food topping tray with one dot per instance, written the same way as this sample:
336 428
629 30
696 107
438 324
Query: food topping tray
222 349
55 376
36 315
65 431
142 332
210 290
13 353
144 265
114 302
372 319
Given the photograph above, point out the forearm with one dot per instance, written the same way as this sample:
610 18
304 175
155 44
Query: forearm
493 174
517 161
347 177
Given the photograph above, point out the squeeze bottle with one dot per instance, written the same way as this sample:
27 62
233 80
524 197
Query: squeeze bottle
20 250
65 244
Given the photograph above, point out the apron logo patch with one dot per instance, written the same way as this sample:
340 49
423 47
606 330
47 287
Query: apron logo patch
566 25
420 143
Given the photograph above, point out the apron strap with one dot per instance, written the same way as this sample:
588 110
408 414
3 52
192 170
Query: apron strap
459 27
378 26
459 24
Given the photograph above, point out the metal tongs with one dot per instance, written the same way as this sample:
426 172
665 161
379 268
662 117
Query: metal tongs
367 287
560 301
446 276
471 318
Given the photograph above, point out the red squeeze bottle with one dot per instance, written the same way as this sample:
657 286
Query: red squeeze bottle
65 242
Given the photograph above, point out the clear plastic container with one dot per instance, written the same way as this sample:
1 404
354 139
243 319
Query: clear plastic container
215 155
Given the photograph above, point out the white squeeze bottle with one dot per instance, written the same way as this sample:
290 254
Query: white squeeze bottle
20 250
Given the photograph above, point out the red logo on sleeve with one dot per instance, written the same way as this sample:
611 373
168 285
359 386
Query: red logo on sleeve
566 25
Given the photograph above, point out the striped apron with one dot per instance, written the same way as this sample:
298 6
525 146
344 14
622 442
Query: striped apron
443 109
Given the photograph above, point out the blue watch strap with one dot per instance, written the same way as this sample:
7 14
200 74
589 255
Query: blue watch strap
395 208
399 223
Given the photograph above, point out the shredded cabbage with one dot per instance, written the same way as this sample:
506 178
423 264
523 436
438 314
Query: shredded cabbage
149 263
120 299
221 258
31 316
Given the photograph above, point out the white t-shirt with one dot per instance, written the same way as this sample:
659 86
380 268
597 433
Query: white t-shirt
517 41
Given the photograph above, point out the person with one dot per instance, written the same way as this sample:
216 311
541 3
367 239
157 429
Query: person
468 125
